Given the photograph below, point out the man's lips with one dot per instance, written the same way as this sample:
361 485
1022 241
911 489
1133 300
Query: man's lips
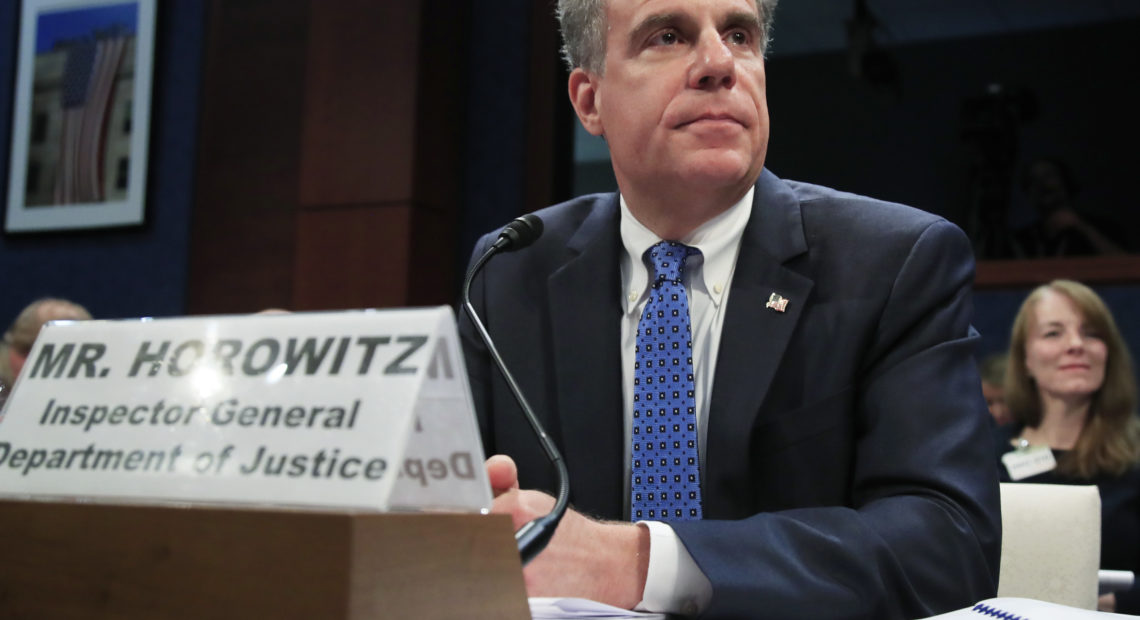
712 117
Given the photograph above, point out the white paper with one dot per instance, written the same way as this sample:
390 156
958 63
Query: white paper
561 608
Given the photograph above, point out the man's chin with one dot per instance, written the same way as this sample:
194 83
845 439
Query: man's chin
719 170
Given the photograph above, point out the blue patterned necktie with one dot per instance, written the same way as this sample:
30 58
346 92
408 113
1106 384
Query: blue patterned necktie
666 481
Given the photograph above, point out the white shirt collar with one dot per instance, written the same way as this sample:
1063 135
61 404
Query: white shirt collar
718 240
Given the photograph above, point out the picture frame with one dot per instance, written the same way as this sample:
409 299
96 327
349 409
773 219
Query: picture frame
81 119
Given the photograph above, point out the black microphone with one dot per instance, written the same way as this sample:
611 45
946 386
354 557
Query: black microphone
533 536
521 232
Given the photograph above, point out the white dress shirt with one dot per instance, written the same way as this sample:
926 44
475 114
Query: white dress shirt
674 583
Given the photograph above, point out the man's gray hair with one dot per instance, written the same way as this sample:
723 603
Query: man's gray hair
583 25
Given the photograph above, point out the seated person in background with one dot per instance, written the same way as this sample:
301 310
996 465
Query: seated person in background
22 334
1061 229
822 449
993 378
1070 388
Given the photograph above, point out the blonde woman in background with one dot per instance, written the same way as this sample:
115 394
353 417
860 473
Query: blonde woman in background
1070 389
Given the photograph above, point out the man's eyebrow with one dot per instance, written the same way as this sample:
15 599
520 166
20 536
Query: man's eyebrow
651 23
735 19
742 19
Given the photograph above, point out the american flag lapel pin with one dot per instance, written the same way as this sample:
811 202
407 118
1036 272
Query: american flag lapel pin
777 303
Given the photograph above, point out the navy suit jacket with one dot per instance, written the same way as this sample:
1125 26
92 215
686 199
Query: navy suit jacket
849 467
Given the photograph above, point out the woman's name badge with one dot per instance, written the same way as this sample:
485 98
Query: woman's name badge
1025 462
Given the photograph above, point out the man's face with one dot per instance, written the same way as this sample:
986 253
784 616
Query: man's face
682 100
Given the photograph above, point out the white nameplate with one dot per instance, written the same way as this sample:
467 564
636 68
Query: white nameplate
1026 462
364 409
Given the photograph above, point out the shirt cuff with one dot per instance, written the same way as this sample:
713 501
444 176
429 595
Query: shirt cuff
674 583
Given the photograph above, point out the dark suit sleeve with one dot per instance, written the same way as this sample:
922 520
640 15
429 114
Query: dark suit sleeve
921 532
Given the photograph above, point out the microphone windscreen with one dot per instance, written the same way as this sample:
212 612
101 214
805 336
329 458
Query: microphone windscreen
521 232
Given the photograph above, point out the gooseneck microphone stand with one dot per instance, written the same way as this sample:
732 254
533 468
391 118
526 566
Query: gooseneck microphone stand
534 535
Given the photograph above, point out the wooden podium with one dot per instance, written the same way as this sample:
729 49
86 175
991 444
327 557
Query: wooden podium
72 560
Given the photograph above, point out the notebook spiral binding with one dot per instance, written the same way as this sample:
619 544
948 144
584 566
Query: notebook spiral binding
994 612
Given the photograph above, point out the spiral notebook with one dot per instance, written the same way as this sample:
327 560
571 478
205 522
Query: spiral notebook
1009 608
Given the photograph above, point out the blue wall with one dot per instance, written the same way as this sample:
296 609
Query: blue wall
124 272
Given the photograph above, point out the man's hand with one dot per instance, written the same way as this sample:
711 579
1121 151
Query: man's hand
502 474
586 558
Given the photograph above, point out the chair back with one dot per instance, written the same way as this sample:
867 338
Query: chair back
1050 549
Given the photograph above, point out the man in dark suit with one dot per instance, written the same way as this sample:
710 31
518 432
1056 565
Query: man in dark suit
834 404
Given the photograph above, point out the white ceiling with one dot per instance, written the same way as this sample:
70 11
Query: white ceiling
807 26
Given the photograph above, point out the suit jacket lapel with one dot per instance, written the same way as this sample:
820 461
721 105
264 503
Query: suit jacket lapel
753 339
584 305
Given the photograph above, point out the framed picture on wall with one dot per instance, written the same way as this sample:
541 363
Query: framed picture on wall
81 117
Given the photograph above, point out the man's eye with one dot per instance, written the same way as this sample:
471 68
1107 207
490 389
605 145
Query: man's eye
738 37
666 38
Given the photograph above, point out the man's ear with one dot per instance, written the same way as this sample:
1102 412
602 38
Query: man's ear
584 98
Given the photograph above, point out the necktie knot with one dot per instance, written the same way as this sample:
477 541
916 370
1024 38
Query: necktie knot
667 260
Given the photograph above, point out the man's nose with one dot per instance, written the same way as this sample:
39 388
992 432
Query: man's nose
715 66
